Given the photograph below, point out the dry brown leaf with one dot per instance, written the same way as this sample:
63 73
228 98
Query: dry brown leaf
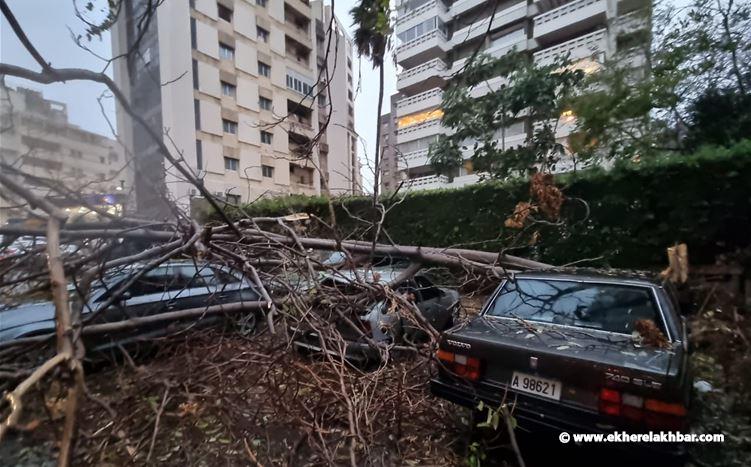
522 210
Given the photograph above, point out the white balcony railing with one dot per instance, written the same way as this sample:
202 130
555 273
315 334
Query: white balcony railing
501 18
421 130
427 182
434 38
592 44
411 76
413 159
568 14
430 9
424 100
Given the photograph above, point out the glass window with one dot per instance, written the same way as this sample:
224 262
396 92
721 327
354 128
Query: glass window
230 163
263 35
229 126
264 103
266 137
261 3
267 171
608 307
228 89
224 13
226 52
264 69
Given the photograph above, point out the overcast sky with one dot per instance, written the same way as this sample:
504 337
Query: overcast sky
49 24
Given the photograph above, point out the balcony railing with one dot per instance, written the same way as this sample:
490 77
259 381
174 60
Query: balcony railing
501 18
427 182
435 4
567 14
594 43
413 159
435 67
436 34
419 101
432 125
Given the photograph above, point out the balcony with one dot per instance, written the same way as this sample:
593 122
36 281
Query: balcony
570 18
423 101
425 76
413 159
421 130
594 44
500 47
502 18
422 49
428 182
422 13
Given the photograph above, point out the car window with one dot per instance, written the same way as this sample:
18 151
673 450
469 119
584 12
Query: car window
608 307
221 277
427 289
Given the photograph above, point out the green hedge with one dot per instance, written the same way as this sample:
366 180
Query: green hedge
636 211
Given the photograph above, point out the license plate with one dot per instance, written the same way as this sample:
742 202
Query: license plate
550 388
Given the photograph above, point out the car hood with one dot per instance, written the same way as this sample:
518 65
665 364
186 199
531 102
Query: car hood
26 314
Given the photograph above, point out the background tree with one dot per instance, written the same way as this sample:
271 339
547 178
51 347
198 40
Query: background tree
538 95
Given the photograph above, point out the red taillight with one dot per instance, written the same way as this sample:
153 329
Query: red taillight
461 365
654 413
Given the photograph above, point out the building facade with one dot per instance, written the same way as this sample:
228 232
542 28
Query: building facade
37 138
436 38
391 175
232 84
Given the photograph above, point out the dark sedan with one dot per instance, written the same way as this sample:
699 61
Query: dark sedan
169 287
582 352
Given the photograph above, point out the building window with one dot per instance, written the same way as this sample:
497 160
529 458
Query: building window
322 100
195 74
229 126
230 163
226 52
264 103
263 35
299 86
261 3
199 155
232 199
229 89
266 137
264 69
197 112
193 39
224 13
267 171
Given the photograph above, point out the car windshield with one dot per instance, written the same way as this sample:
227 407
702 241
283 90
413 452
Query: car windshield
607 307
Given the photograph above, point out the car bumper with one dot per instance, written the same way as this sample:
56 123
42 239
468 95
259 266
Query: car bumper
537 416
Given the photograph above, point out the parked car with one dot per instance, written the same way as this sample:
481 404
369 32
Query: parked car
437 304
169 287
575 351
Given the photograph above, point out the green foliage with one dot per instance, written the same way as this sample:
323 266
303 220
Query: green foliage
542 93
372 23
720 118
636 210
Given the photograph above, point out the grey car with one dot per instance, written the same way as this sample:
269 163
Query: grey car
169 287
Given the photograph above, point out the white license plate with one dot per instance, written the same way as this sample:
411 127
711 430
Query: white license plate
550 388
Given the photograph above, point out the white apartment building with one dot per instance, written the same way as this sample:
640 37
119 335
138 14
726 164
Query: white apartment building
74 168
232 84
436 37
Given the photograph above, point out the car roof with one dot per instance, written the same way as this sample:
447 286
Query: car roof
384 274
634 277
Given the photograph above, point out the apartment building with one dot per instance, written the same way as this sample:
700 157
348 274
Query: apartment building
390 173
336 103
36 137
436 37
232 84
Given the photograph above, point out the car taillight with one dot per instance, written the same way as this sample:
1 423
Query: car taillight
654 413
461 365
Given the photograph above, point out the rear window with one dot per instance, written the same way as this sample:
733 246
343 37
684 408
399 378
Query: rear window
607 307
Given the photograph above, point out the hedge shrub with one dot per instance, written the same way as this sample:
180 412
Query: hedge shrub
636 210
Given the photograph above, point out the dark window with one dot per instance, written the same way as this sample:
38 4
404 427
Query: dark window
195 74
261 3
193 39
224 13
263 34
267 171
233 199
608 307
230 163
199 154
266 137
264 103
264 69
228 89
226 52
229 126
427 289
197 111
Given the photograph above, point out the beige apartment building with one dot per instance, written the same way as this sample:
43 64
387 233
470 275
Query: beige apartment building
435 38
232 84
37 138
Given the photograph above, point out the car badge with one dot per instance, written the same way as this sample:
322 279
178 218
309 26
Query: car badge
533 362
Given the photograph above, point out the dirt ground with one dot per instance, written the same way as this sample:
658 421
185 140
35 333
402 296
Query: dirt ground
216 398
